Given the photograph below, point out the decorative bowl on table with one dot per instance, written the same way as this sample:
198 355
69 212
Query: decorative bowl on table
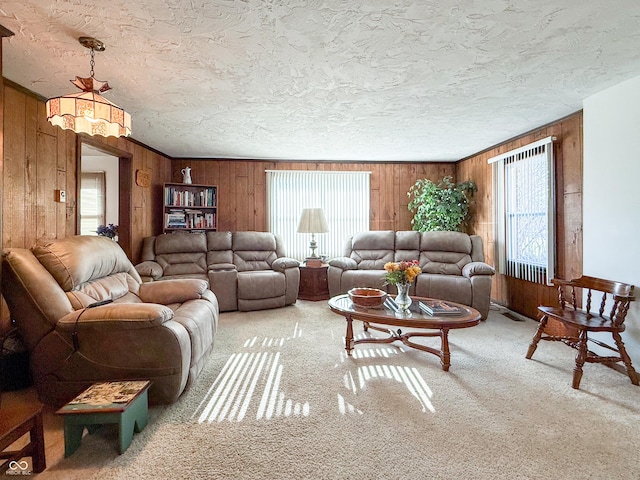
367 297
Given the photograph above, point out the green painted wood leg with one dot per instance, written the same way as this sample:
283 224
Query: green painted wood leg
140 411
72 437
125 432
133 419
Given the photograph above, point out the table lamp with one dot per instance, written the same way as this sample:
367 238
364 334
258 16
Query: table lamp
313 221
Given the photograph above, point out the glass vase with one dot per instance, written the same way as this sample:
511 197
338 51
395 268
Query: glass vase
403 300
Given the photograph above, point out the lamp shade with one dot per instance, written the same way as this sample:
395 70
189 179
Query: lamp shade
313 220
88 112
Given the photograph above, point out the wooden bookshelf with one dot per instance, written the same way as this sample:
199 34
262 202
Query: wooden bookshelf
190 207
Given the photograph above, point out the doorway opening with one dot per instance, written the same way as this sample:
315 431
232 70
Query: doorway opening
104 189
99 190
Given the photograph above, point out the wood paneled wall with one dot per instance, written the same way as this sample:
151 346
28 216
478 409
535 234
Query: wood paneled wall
242 189
520 296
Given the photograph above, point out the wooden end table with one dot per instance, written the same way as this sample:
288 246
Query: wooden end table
124 403
314 284
342 305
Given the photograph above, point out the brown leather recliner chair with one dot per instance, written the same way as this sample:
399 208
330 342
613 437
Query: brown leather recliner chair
160 331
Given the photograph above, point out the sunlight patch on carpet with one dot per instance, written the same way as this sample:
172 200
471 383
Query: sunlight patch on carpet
407 376
247 377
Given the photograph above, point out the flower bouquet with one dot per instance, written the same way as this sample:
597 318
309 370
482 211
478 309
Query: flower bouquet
402 274
110 230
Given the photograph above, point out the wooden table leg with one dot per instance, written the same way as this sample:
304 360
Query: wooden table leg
39 462
445 356
349 337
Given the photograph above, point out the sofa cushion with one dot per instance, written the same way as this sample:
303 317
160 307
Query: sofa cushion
73 261
449 287
253 251
256 285
362 278
444 252
182 253
371 250
181 242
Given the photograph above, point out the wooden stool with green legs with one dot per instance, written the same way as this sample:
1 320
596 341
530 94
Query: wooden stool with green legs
123 403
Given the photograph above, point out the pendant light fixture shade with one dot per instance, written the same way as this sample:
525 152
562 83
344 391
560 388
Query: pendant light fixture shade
88 111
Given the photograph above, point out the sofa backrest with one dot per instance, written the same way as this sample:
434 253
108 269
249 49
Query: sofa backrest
407 246
88 268
219 248
444 252
371 250
181 253
255 250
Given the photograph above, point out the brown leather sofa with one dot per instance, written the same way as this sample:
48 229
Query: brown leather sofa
161 332
452 265
245 270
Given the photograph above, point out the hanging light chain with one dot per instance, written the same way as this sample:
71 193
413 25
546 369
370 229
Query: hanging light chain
92 63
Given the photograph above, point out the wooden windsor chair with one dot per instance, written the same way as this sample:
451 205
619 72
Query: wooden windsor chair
608 316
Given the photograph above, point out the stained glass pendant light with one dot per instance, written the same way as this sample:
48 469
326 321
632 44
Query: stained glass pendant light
88 111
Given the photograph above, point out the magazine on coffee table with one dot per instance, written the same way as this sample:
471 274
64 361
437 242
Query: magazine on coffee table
440 307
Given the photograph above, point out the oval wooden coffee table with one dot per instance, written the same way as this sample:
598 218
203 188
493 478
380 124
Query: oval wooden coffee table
342 305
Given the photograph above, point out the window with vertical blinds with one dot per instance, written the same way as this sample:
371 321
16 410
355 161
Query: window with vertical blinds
525 212
92 202
344 197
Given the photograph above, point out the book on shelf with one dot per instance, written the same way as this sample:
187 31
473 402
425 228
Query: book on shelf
440 307
175 220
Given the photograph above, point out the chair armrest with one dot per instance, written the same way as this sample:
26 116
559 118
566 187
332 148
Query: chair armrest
282 263
126 316
224 267
149 268
477 268
173 291
344 263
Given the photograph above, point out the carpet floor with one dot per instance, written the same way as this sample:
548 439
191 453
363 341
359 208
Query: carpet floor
279 399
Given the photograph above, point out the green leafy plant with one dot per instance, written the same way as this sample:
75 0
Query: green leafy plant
442 206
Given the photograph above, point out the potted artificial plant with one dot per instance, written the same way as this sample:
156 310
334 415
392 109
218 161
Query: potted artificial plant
442 206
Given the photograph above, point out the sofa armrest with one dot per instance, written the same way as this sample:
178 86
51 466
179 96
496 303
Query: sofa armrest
149 269
173 291
221 267
125 316
344 263
282 263
477 268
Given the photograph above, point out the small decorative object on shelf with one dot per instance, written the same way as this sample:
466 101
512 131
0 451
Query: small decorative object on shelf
186 175
402 274
110 231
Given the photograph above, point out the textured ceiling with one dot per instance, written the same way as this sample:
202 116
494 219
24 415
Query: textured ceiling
329 79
